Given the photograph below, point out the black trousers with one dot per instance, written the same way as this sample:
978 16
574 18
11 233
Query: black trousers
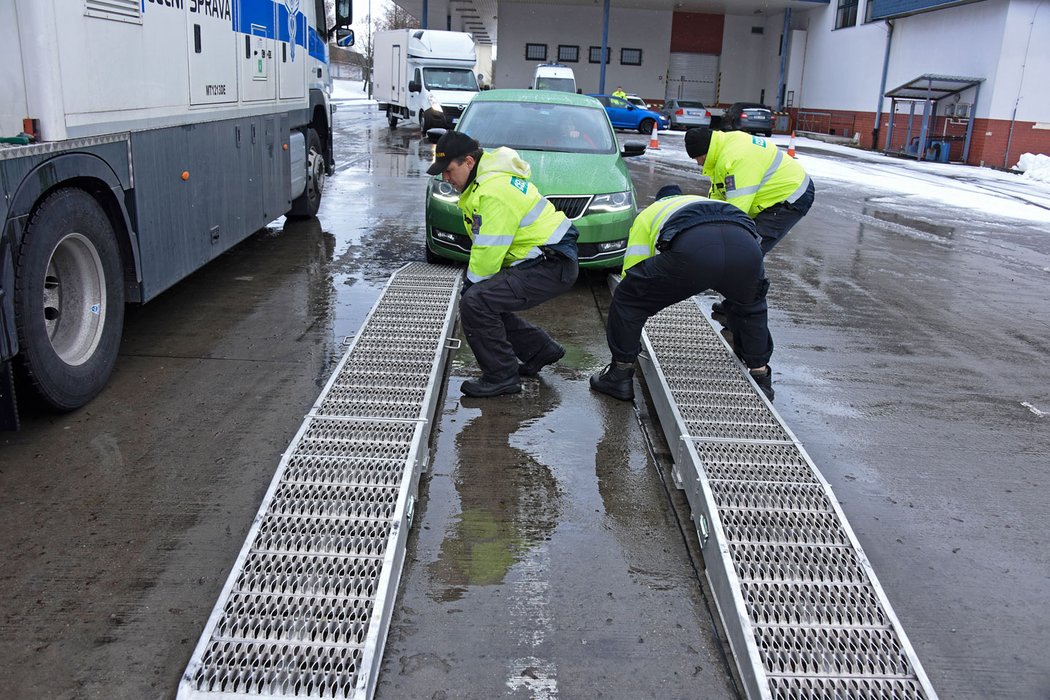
774 223
721 256
500 338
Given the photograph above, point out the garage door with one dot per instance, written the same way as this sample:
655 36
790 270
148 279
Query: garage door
693 76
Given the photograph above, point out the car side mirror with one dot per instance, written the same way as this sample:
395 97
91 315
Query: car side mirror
433 135
413 86
632 148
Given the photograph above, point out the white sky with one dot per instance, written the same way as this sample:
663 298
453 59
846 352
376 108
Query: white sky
984 191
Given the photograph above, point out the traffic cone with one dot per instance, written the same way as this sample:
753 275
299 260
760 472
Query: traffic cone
791 146
654 137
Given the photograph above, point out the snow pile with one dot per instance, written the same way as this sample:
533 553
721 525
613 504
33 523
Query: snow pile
1035 166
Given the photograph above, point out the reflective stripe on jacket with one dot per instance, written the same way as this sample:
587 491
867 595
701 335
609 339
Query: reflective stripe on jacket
751 173
506 216
666 217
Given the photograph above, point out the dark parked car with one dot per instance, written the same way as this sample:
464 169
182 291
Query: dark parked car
685 114
625 115
751 117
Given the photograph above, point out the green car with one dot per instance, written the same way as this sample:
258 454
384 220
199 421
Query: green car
576 163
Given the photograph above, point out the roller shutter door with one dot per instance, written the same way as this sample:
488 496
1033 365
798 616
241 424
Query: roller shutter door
693 76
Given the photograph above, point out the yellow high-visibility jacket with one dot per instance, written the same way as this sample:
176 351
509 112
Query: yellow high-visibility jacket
655 219
506 216
751 173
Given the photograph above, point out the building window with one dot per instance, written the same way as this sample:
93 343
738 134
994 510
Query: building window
868 7
535 52
568 54
596 54
847 14
630 57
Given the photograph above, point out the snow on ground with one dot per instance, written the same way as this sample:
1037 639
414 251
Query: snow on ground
992 193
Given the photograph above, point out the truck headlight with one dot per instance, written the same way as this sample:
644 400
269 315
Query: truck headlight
615 201
435 105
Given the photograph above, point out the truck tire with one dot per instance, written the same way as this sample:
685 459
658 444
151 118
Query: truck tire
307 204
646 126
391 118
69 299
424 123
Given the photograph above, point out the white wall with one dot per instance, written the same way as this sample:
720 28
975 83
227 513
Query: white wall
577 25
745 60
1024 64
843 66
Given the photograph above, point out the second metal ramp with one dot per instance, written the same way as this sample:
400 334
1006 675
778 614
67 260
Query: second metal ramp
804 612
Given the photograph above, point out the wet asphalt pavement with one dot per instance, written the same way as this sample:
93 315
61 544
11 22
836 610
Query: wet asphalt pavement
549 557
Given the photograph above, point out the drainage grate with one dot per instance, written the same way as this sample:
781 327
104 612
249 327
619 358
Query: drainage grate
305 611
805 615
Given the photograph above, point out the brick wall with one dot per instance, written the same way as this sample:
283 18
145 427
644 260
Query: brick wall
696 32
987 145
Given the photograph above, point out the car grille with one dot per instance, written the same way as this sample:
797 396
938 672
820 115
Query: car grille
452 112
572 207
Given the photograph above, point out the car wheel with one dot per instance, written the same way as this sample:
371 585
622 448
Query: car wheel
646 126
307 204
69 299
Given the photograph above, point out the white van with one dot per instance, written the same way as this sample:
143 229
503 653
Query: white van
554 76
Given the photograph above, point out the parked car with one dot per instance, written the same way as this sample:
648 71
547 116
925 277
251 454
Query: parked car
751 117
576 163
686 114
625 115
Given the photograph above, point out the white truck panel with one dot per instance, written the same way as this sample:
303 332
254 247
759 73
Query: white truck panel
13 108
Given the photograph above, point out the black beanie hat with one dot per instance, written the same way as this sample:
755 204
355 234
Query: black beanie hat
451 145
697 141
667 191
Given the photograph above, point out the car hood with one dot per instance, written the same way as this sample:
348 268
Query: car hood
577 173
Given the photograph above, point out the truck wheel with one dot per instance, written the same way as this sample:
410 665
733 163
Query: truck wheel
69 299
307 204
646 127
391 119
424 123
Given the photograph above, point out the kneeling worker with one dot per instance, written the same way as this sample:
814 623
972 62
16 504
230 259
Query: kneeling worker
702 244
523 253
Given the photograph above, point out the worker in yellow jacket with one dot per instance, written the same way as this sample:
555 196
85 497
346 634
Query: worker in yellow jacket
679 246
523 252
752 174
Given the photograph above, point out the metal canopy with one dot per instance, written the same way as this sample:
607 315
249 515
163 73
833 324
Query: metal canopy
929 89
935 87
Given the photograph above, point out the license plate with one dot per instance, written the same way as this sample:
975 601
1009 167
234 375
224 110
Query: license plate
692 114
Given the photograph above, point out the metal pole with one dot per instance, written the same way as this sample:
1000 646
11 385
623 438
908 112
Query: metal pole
605 47
882 86
969 127
425 13
783 58
371 49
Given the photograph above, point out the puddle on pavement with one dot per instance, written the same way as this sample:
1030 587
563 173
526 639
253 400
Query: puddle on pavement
928 227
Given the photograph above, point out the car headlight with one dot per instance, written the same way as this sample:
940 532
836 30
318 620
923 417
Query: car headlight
614 201
435 105
445 192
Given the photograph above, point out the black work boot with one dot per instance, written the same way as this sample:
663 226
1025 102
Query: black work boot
718 313
764 381
547 356
616 380
487 386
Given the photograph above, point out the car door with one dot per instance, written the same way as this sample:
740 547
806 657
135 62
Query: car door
622 113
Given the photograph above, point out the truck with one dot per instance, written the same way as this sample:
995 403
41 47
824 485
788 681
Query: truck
140 139
424 75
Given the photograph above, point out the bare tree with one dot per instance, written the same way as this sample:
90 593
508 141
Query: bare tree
396 18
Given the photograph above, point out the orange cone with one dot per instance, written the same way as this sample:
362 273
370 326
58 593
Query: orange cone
654 137
791 146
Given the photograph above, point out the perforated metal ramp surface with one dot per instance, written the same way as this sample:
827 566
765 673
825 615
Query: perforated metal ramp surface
306 608
803 610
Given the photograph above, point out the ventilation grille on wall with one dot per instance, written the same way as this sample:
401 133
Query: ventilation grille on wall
119 10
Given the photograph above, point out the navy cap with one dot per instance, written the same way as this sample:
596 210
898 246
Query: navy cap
451 145
668 191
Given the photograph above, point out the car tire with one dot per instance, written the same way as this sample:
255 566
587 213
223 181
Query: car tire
69 299
307 204
432 257
646 126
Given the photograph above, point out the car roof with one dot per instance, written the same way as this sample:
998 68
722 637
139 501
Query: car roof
538 96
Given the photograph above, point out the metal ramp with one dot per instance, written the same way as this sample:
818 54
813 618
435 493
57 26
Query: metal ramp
306 608
805 615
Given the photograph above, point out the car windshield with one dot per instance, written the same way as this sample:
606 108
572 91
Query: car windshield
450 79
532 126
559 84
